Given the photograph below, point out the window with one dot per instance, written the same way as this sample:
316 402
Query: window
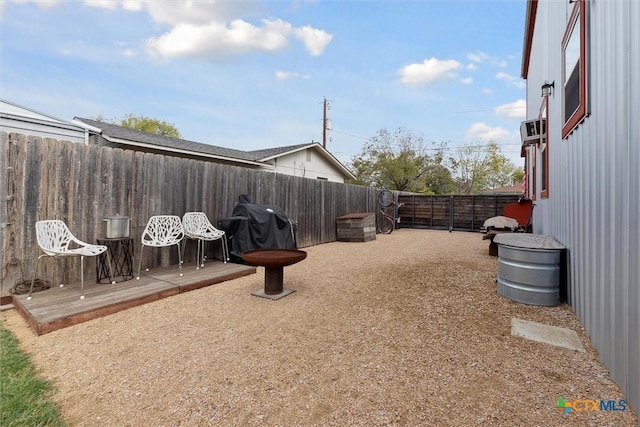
544 147
574 68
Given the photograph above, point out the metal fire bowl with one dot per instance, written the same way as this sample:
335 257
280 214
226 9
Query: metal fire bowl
273 258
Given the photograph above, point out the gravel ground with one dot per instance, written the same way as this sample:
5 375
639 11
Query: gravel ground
405 330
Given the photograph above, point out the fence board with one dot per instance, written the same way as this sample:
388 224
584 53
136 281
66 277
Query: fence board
82 184
450 212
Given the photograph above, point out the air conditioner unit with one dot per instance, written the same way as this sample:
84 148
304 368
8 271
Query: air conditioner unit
530 131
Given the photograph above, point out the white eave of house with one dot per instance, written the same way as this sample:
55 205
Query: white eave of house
320 149
529 27
20 119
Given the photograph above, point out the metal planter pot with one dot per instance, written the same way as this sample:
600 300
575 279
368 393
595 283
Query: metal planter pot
117 227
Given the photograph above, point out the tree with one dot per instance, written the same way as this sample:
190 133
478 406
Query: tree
438 177
145 124
517 176
478 167
398 161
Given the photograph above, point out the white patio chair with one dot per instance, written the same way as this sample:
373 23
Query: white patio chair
56 241
197 226
161 231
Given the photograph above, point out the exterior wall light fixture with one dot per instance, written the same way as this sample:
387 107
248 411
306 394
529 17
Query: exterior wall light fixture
547 88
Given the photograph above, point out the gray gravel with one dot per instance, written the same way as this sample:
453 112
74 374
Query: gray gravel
405 330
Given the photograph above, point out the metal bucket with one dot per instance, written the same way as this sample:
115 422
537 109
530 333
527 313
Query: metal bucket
117 227
529 268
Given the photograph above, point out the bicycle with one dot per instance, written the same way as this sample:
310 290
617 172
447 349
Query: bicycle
387 219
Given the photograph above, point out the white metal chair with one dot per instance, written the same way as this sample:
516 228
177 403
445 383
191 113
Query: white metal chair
56 241
197 226
161 231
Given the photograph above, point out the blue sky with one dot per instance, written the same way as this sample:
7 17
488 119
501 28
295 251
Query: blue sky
251 74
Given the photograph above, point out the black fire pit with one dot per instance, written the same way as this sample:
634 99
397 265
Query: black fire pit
273 261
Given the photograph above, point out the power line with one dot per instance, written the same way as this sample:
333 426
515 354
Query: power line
349 134
492 109
443 148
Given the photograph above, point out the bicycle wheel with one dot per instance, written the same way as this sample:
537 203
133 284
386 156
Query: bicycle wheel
385 198
385 224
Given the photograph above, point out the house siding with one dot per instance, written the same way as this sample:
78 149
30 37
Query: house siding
594 179
297 164
14 118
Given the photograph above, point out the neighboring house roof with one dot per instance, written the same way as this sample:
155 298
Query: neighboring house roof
19 119
125 136
121 135
273 153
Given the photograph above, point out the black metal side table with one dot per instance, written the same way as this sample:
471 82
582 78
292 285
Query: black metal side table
121 253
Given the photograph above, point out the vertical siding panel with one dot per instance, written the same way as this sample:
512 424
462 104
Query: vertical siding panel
594 201
633 174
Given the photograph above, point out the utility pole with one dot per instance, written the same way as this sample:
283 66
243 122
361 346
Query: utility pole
324 124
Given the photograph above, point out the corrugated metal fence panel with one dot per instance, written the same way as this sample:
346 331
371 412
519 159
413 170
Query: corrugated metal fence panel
594 202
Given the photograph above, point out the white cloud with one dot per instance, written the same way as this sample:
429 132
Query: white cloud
132 5
211 28
511 80
129 53
487 90
480 57
467 80
429 71
208 28
314 40
217 38
471 67
103 4
477 57
286 75
514 111
200 12
480 131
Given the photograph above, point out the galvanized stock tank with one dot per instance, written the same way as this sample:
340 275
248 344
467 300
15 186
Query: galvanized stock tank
529 268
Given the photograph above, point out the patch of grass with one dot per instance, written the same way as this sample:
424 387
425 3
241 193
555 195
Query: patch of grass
25 399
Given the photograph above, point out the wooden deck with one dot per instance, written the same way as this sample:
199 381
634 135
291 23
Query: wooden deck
58 308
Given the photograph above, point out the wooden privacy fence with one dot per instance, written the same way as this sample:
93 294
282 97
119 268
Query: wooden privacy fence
464 213
82 184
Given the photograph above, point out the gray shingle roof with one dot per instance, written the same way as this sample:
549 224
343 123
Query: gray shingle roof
120 132
111 132
272 152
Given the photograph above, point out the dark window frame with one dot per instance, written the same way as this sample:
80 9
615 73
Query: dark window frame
574 86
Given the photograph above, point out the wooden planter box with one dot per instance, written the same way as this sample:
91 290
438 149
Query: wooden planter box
356 227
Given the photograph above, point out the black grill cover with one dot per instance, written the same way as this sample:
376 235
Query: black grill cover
253 226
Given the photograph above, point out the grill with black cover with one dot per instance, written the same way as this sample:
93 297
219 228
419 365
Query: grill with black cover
253 226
